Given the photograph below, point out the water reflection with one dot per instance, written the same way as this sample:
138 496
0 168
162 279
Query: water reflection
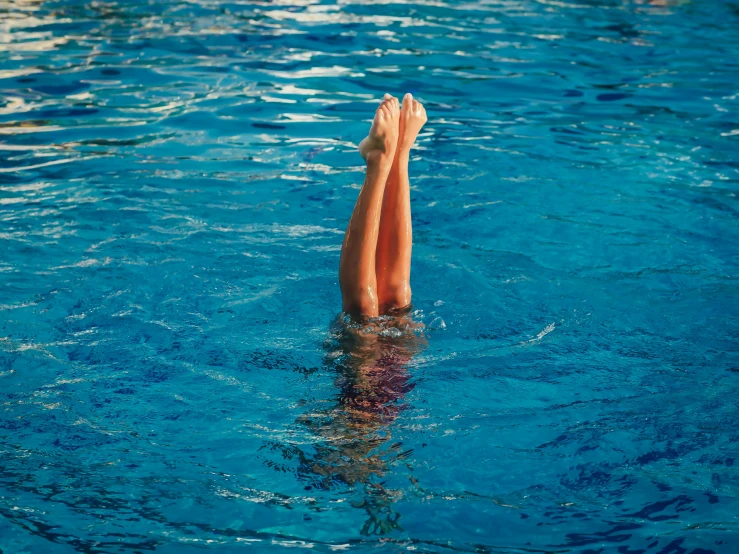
354 444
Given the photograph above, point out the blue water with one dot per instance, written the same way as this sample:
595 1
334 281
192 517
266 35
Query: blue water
175 181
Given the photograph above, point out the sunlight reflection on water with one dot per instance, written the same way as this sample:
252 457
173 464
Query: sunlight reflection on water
175 180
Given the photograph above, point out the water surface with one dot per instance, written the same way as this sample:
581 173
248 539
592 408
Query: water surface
175 180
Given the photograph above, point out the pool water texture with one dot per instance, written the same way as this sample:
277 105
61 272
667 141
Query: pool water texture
175 181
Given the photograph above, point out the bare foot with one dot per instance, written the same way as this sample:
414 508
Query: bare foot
412 118
383 136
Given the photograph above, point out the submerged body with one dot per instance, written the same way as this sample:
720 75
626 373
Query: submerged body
375 266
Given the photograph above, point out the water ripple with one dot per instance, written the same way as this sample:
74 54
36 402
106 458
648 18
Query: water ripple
175 179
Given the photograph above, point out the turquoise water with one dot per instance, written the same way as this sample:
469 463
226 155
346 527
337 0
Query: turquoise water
175 180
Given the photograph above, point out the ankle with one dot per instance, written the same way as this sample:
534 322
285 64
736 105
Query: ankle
401 159
379 158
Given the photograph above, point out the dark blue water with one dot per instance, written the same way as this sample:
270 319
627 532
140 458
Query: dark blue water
175 180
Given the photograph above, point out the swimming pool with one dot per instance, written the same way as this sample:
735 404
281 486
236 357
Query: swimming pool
175 180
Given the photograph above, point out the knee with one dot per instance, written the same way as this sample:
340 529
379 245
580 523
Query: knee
396 296
361 302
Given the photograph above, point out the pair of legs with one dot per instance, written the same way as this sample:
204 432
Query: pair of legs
375 266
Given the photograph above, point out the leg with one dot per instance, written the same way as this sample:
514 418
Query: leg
395 238
357 266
